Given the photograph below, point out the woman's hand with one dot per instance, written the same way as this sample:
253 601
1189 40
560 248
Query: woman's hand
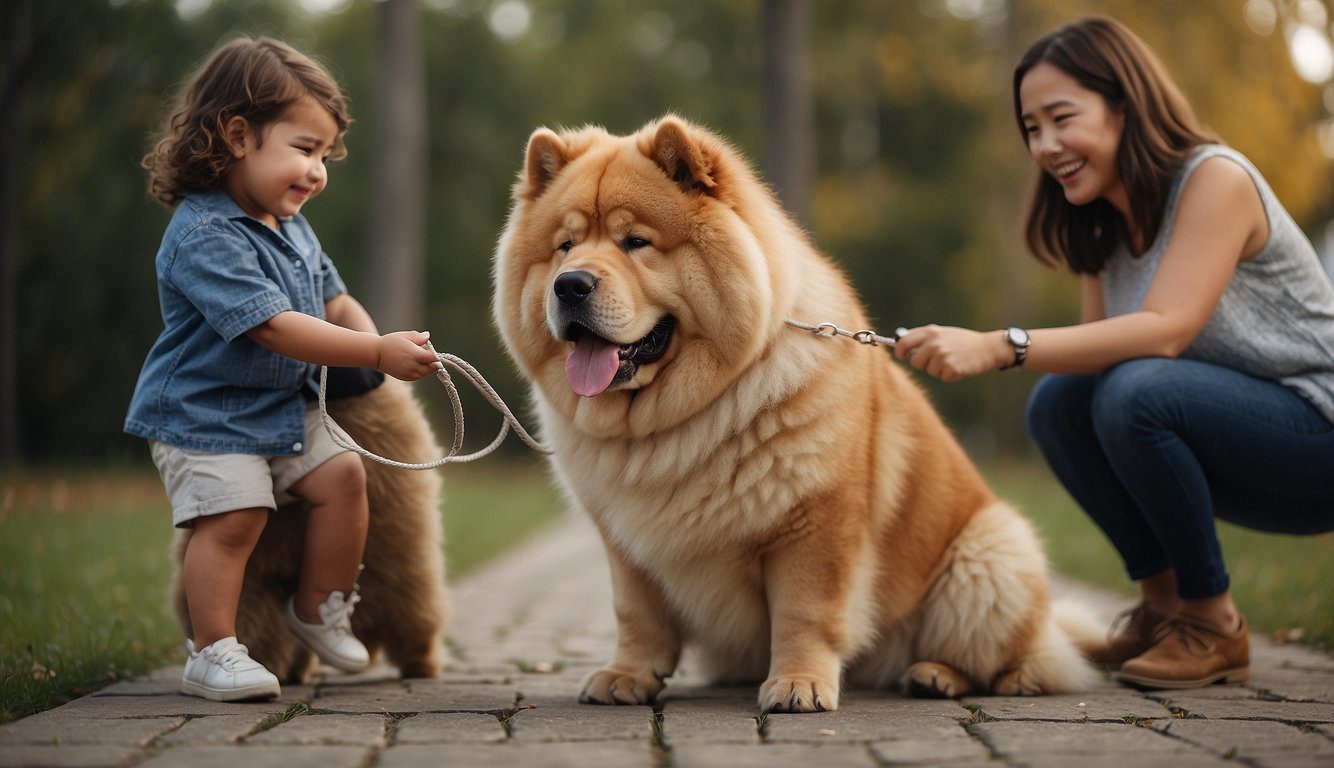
404 355
951 354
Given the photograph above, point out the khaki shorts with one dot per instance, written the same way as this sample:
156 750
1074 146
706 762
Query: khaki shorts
201 483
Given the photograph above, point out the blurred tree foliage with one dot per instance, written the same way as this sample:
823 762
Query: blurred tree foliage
921 175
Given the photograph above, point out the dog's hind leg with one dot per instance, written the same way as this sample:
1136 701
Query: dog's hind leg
932 680
988 614
1051 664
414 647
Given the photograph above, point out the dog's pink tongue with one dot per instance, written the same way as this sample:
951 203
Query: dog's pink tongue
592 365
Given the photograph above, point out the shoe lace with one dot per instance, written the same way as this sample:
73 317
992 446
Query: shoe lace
1194 636
1137 618
338 614
232 657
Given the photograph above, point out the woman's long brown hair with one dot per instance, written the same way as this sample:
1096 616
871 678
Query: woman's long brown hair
1159 132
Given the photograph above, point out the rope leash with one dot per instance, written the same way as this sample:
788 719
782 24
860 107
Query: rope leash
479 382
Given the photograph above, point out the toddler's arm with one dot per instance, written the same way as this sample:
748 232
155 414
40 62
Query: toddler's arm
402 355
346 311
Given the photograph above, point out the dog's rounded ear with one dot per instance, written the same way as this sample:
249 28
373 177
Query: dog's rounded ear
684 159
546 155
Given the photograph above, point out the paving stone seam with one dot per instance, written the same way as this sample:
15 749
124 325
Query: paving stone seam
369 757
408 712
150 748
1181 713
389 730
257 728
967 729
1206 748
1085 721
1264 694
997 754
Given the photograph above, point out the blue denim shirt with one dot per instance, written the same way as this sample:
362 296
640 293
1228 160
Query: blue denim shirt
205 384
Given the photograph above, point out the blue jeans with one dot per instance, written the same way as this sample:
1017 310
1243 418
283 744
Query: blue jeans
1154 449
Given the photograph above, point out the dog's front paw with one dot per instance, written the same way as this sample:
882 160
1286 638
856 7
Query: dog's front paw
610 686
798 693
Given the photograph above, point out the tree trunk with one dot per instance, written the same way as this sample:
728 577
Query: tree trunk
396 267
18 68
788 113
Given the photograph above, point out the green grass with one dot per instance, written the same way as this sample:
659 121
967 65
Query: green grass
85 571
1281 583
487 509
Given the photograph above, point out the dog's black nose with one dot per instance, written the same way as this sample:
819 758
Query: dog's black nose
572 288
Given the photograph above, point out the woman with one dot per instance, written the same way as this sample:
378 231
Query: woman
1200 380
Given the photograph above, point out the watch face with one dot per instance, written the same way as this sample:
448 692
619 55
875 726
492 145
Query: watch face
1017 336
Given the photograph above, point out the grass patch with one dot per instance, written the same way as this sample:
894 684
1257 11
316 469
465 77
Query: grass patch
977 716
83 587
488 510
298 708
85 571
1279 582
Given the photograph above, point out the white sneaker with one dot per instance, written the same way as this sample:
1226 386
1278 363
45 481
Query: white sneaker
224 671
332 639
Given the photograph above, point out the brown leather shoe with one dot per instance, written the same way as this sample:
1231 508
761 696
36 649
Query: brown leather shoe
1191 654
1132 633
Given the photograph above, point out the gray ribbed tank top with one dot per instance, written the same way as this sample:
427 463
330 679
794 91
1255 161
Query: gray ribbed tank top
1275 320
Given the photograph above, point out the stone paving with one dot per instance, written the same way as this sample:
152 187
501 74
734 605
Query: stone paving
529 626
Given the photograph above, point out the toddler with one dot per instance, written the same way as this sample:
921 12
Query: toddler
251 304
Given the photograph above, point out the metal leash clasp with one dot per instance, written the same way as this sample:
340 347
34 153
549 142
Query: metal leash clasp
868 337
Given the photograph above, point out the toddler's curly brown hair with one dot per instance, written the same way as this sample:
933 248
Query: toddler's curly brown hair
253 78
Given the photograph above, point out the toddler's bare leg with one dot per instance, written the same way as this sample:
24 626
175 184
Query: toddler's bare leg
336 533
214 568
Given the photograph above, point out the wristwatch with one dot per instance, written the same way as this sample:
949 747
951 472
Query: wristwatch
1018 338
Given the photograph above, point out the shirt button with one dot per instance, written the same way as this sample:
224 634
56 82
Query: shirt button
297 447
297 263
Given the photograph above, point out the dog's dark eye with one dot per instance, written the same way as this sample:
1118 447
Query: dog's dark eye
566 246
631 243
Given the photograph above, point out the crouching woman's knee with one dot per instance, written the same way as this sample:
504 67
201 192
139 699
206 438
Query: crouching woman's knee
1058 409
1136 394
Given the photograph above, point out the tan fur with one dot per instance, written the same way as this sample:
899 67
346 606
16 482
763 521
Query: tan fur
791 506
403 607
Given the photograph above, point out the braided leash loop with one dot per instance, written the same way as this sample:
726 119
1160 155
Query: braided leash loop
479 382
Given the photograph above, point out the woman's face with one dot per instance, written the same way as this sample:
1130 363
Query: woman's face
1072 135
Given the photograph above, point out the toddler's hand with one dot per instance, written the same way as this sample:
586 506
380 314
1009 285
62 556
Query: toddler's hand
404 355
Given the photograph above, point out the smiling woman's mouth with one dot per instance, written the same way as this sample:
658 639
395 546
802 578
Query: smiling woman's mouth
596 363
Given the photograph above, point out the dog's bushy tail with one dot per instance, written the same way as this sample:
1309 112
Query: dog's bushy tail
1057 659
1079 624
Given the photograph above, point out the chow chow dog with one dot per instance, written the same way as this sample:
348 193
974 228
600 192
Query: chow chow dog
791 506
403 607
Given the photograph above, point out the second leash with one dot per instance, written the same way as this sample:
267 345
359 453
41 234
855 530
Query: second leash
829 330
